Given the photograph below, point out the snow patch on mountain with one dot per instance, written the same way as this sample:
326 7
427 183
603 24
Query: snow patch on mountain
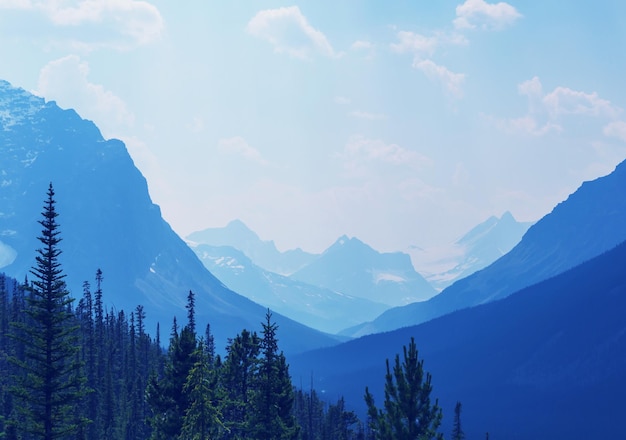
481 246
386 276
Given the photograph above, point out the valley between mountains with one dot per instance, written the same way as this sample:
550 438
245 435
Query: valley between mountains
523 323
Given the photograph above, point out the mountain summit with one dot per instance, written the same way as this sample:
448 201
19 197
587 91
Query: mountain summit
477 249
588 223
108 221
263 253
352 267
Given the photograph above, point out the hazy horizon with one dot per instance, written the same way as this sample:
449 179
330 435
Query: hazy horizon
402 124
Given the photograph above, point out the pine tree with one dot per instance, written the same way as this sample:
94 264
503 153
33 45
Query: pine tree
457 430
166 397
272 417
202 420
54 379
408 412
238 372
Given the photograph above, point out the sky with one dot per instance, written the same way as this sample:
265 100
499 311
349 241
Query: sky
402 123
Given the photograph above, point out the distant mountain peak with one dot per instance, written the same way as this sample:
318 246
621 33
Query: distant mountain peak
262 252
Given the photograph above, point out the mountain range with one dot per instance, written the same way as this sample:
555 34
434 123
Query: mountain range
546 362
316 307
352 267
263 253
477 249
588 223
108 221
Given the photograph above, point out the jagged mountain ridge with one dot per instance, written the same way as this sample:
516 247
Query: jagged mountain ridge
263 253
477 249
313 306
539 364
588 223
108 221
352 267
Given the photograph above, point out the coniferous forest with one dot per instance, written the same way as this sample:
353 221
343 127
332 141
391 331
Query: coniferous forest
73 369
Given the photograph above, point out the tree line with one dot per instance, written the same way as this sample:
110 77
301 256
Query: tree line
75 370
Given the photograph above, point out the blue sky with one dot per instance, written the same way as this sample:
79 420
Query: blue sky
402 123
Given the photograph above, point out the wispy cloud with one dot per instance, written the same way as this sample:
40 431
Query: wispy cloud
239 146
122 23
66 80
451 82
527 124
361 153
342 100
554 107
615 129
414 43
289 31
367 115
423 47
565 101
366 47
490 16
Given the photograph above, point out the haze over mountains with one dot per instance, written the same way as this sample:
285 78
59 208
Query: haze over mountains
108 221
475 250
533 345
588 223
263 253
321 290
314 306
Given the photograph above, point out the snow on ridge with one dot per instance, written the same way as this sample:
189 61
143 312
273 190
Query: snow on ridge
16 105
384 276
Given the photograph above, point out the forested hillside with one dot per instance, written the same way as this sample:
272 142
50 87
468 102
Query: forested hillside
73 370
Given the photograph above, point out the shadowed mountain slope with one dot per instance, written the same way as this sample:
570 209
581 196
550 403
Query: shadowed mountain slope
588 223
108 221
547 362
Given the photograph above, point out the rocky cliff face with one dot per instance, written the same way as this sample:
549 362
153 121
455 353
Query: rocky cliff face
108 221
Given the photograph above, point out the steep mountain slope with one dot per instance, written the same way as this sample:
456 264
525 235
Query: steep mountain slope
316 307
351 267
263 253
108 221
546 362
477 249
588 223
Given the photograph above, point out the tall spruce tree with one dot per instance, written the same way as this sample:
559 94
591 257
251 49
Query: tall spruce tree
202 420
274 396
54 380
457 430
237 377
409 413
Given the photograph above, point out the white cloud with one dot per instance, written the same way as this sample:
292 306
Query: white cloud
553 109
15 4
239 146
366 47
531 87
288 30
616 129
367 115
66 81
111 23
361 45
451 81
479 13
361 153
565 101
528 125
414 43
